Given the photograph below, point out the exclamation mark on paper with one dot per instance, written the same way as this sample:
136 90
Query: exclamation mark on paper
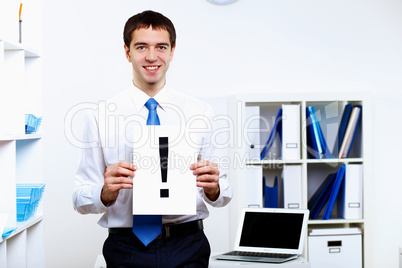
163 154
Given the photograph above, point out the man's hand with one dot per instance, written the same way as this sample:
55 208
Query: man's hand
117 176
207 177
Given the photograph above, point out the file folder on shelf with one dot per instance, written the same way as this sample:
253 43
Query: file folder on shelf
344 122
271 199
252 134
350 198
291 131
276 128
350 132
317 146
254 190
340 175
292 190
317 202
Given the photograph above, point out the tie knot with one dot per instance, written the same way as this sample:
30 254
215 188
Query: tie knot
151 104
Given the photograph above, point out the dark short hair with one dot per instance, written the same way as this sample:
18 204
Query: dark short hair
146 19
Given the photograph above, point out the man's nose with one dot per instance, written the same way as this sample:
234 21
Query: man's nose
151 55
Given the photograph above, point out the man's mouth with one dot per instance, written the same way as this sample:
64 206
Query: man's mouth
151 67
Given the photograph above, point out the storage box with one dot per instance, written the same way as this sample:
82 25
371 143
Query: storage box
334 248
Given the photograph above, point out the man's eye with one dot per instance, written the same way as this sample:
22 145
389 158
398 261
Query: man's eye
162 47
140 48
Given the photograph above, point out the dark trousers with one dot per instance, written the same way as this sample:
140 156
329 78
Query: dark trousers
189 251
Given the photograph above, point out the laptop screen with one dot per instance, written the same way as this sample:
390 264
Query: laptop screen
272 230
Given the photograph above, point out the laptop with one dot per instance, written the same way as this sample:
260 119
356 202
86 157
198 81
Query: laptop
269 235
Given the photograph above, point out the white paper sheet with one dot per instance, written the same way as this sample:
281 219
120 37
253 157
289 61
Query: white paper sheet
180 183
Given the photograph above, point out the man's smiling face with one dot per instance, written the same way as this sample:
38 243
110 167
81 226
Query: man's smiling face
150 54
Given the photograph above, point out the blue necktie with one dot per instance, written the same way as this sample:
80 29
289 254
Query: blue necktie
148 227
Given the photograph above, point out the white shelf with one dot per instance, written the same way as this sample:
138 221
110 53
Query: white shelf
29 52
335 221
309 161
20 137
273 162
22 226
335 160
313 171
12 45
21 155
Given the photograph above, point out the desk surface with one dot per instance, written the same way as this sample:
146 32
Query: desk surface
297 263
214 263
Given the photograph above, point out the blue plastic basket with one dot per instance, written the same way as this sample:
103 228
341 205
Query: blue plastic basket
32 123
7 231
28 198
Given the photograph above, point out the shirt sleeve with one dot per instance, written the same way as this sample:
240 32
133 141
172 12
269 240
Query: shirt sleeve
225 194
89 176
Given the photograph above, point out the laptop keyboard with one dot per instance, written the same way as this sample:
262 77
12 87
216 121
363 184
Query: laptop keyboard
259 254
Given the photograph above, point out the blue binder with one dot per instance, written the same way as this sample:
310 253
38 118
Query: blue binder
344 122
271 194
340 175
276 128
318 148
321 196
314 146
357 126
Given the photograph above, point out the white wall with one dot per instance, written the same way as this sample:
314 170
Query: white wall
250 46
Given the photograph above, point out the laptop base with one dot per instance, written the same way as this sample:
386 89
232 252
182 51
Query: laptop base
239 256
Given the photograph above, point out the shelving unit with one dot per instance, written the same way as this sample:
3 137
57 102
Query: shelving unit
244 172
20 153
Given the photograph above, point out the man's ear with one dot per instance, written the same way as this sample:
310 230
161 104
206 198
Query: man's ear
172 52
127 51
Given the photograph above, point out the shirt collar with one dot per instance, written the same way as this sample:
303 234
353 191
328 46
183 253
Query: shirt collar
140 98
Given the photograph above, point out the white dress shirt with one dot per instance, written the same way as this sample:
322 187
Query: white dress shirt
108 138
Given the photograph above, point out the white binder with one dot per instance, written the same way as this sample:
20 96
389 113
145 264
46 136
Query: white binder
350 200
291 131
251 132
292 188
254 186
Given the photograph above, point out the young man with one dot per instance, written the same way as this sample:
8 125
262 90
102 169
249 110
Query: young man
104 179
